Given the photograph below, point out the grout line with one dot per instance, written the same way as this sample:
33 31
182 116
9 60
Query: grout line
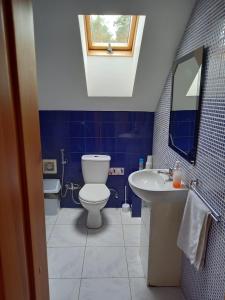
108 246
48 238
57 217
129 279
83 266
91 246
64 278
78 296
66 247
127 263
74 289
101 277
107 277
82 273
86 238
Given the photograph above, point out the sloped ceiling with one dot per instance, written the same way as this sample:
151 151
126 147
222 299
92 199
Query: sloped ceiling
61 76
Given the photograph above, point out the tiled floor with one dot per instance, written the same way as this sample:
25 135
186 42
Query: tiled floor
88 264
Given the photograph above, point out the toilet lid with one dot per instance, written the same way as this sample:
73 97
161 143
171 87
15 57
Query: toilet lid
94 192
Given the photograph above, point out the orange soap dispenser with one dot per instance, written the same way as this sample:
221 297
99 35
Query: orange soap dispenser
177 175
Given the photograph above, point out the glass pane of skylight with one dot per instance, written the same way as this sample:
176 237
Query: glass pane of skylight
114 29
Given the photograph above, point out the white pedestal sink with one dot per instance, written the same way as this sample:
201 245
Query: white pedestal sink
161 213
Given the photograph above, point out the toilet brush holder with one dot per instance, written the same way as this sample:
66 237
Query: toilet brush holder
125 205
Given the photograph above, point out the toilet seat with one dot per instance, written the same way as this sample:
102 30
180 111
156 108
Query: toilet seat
94 193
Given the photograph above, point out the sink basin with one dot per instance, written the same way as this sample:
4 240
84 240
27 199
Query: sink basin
152 186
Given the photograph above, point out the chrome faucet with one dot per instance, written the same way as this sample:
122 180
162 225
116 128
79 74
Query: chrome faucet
169 173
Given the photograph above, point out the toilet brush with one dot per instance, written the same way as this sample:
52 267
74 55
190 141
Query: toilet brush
125 206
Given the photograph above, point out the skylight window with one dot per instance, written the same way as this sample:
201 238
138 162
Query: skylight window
110 34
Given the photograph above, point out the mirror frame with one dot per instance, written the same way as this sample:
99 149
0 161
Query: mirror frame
200 51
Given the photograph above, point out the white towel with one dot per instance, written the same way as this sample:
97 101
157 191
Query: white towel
194 228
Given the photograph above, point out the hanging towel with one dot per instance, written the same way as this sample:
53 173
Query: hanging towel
194 228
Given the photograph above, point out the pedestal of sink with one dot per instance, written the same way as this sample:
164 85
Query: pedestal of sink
160 256
161 214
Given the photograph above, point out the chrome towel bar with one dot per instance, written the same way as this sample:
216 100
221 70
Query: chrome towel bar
214 214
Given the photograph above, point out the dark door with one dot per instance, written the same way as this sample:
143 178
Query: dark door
23 259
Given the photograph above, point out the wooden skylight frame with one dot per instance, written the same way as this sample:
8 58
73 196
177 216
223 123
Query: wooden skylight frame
117 49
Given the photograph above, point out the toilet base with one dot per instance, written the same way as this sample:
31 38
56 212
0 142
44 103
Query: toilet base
94 219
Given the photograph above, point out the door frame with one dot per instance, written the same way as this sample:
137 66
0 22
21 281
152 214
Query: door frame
23 253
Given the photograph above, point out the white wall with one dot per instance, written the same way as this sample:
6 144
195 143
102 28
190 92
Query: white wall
61 76
111 76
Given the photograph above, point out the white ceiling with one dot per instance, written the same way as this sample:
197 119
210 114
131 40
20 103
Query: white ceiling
61 77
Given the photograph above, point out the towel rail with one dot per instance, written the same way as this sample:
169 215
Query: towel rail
214 214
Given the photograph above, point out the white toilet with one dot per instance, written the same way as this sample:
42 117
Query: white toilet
94 194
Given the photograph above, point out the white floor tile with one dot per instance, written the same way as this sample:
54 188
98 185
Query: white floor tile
132 235
140 291
102 289
65 262
48 231
134 262
69 216
64 289
111 216
105 262
127 218
50 220
108 235
68 236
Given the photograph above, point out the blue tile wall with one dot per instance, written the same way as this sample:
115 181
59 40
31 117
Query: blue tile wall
125 136
182 129
206 27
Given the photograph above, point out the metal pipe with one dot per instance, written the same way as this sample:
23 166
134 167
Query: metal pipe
116 194
214 214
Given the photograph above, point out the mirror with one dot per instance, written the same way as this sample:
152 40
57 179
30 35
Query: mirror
185 104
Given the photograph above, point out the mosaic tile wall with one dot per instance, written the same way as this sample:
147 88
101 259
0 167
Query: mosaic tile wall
206 27
125 136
